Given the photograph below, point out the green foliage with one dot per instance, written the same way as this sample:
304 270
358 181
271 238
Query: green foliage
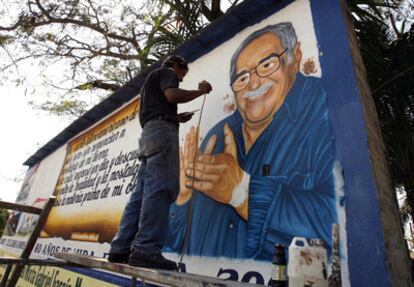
98 41
5 40
72 108
388 54
4 215
393 87
87 86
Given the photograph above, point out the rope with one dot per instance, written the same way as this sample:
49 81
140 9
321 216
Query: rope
190 208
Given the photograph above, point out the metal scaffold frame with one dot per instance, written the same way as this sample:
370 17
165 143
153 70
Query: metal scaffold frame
165 278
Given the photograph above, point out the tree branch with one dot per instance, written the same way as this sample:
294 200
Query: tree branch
402 73
394 27
213 13
97 84
95 28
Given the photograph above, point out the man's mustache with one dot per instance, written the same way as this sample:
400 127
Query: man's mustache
262 89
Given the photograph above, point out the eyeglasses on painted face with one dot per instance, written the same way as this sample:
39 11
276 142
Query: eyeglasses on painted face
266 66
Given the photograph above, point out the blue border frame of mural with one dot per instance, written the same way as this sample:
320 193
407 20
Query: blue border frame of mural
363 221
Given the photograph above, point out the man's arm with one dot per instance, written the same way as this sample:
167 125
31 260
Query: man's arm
177 95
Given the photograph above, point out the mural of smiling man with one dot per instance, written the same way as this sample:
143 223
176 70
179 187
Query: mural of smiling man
264 174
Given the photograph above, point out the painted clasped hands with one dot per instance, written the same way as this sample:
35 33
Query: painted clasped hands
218 176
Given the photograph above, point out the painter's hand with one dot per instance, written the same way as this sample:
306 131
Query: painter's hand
205 87
217 176
187 154
184 117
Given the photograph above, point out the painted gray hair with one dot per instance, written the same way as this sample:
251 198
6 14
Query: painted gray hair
284 31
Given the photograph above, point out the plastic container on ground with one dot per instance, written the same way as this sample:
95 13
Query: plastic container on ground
307 264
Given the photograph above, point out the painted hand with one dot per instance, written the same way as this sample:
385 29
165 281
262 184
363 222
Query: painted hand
216 175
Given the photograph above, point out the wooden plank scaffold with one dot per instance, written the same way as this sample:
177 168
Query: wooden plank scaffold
165 278
43 214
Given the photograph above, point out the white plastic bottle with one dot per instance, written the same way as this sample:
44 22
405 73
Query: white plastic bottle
307 264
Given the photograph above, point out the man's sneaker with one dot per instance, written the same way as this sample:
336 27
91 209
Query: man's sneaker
157 261
118 257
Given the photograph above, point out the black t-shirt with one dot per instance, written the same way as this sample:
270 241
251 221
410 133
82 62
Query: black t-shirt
154 104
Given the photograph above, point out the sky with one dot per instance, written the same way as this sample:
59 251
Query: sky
23 131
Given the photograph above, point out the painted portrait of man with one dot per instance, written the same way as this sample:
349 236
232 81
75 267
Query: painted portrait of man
263 174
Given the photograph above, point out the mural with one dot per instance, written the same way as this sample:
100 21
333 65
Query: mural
19 223
100 168
264 173
257 171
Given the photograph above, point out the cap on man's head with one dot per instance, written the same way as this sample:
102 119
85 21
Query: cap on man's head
169 61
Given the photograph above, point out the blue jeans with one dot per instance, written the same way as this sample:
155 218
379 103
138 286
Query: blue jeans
144 223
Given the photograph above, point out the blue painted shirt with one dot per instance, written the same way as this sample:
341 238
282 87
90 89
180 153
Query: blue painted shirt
297 198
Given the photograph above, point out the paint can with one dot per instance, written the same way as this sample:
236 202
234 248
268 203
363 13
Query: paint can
307 264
